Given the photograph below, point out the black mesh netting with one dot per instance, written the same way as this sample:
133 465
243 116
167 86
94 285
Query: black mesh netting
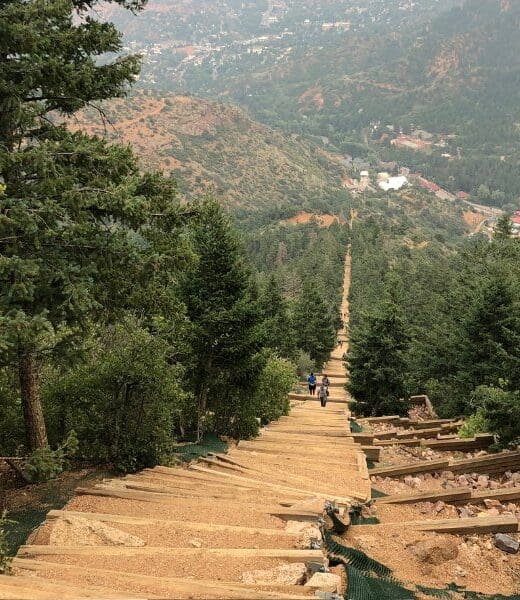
368 579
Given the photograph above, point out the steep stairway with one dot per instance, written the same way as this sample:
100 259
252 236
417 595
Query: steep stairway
239 525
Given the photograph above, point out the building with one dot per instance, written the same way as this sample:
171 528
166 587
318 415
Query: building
393 183
463 196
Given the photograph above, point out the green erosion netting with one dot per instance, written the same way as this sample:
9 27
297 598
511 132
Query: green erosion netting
209 443
355 427
377 493
368 579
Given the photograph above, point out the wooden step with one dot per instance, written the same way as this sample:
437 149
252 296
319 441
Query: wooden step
174 587
285 554
455 496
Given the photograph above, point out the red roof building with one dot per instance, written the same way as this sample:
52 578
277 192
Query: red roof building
429 185
463 195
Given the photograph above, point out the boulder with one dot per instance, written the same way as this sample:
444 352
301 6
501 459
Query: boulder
325 582
436 550
439 506
506 543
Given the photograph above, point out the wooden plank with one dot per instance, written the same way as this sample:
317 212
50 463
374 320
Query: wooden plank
473 525
423 466
288 555
22 587
432 423
149 521
456 444
388 419
191 588
444 495
262 483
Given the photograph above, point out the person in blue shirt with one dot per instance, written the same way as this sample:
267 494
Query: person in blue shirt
311 380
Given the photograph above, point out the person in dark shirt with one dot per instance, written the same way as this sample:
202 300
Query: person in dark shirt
311 380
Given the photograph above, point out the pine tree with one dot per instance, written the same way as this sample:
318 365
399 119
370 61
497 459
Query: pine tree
377 362
313 323
68 201
224 318
491 337
277 330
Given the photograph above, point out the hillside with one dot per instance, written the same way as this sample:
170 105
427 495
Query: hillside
214 146
454 74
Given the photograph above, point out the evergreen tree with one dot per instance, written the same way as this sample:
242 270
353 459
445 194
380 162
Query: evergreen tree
377 364
313 323
504 227
491 337
224 320
68 201
277 331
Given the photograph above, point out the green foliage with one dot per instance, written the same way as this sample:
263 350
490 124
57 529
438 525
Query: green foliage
5 558
45 464
377 364
275 381
313 323
501 410
475 423
223 333
124 400
305 364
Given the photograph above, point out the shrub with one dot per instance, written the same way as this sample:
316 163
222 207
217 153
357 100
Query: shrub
124 400
274 384
475 423
501 409
45 464
305 364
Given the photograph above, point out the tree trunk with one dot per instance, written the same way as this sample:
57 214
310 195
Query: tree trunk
36 434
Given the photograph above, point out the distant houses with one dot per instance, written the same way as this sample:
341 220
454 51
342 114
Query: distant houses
393 183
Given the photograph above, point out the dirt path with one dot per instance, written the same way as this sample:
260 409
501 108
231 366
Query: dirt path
239 525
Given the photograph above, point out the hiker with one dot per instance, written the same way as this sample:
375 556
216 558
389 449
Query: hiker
325 382
322 394
311 380
340 343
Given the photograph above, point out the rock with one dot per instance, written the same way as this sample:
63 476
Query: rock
308 533
464 513
482 481
448 475
288 574
77 531
409 480
494 485
506 543
435 550
439 506
326 582
491 512
516 477
426 508
462 480
460 572
195 543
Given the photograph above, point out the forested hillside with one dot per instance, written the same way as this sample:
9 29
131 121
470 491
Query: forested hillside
453 73
210 146
441 317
